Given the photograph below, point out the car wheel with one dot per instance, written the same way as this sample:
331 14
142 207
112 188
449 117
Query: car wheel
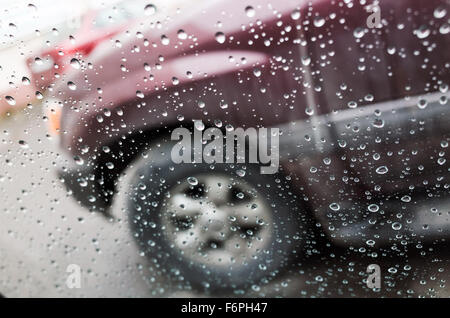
217 226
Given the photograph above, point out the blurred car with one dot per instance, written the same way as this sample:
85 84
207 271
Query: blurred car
364 127
96 26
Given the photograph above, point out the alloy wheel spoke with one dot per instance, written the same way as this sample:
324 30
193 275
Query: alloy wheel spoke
220 217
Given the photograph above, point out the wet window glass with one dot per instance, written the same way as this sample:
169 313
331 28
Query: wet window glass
224 148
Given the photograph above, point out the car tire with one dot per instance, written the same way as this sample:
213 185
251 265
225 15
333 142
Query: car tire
155 182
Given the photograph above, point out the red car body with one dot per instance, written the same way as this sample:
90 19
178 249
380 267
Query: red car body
337 89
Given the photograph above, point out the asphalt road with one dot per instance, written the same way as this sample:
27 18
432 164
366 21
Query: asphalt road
42 231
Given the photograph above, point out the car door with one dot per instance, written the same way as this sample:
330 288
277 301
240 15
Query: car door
383 93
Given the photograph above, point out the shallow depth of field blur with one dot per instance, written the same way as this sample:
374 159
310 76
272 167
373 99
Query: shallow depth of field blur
43 229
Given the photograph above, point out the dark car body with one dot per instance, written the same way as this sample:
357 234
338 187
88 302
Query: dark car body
370 101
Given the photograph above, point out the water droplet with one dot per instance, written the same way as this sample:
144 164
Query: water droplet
352 104
23 144
378 123
79 161
165 40
71 86
373 208
295 15
309 111
422 104
396 226
10 100
139 94
382 170
192 181
444 29
182 35
334 206
199 125
391 50
306 60
440 12
25 80
250 12
75 63
359 33
422 32
220 37
319 22
406 198
149 9
369 98
342 143
256 288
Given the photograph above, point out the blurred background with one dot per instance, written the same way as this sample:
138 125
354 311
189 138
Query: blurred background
42 28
